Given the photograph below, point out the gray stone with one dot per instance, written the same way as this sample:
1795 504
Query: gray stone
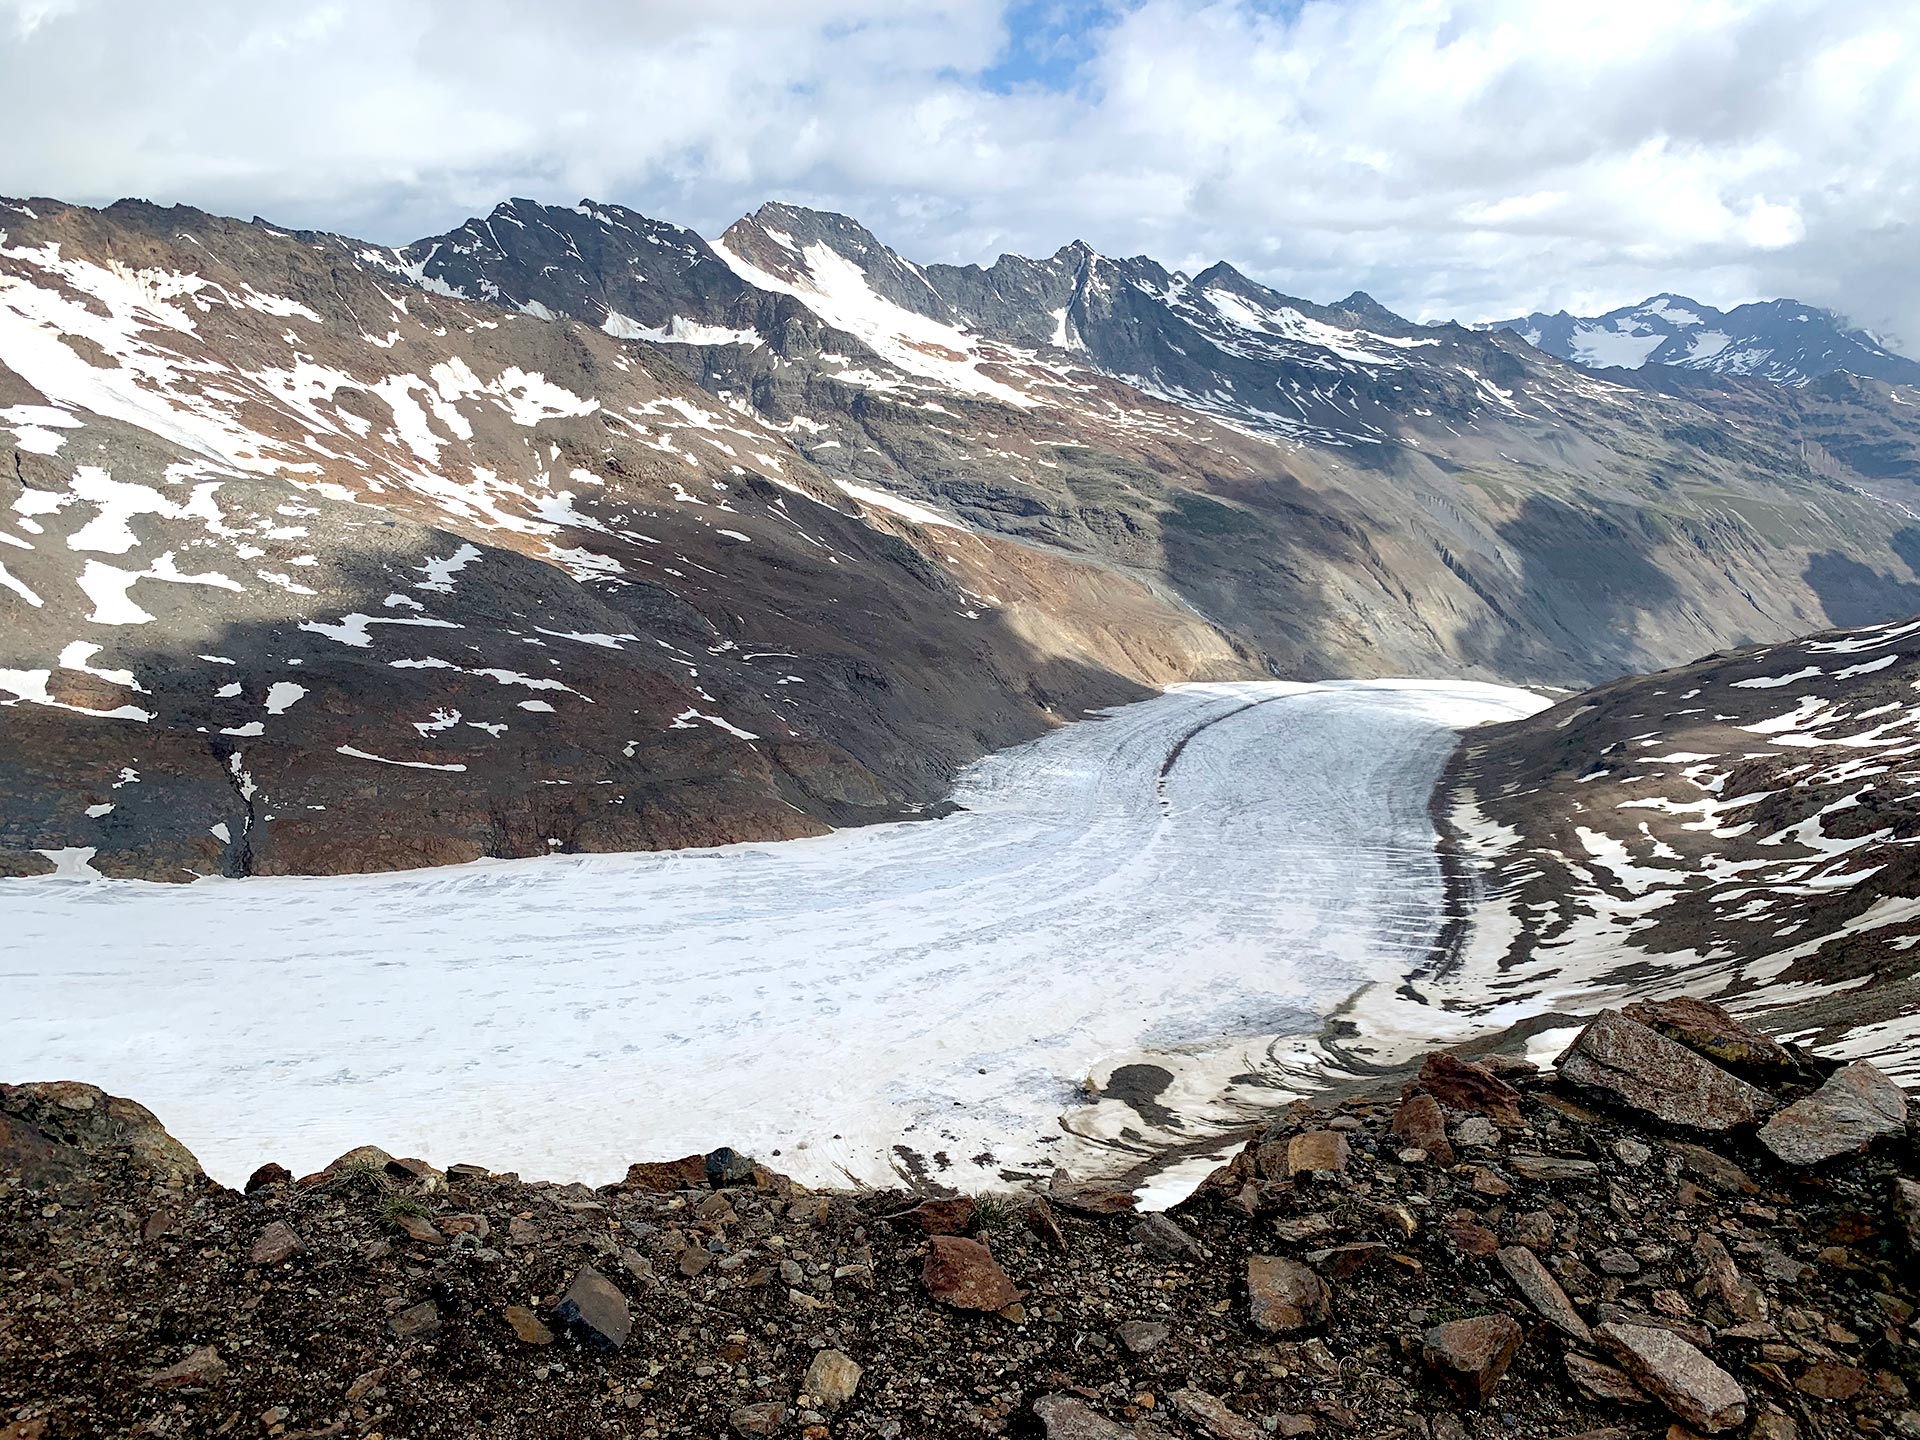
275 1243
421 1319
1159 1235
1543 1293
1678 1375
1476 1132
762 1419
1645 1071
727 1166
202 1367
1906 1204
1857 1106
1214 1416
1142 1337
1552 1167
594 1310
1064 1418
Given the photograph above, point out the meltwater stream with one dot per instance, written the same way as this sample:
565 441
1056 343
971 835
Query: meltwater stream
1222 861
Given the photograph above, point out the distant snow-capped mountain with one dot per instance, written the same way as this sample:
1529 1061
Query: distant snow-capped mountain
1779 340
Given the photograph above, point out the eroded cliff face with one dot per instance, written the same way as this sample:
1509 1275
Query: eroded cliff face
569 530
1692 1224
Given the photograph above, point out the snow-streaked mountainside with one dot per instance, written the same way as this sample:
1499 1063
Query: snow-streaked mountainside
1746 827
572 530
1778 340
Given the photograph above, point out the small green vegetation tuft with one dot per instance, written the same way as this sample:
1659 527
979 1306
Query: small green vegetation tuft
399 1206
993 1211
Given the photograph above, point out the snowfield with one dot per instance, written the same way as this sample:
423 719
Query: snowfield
1183 875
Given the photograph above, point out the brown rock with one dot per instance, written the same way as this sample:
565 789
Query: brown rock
267 1174
831 1379
1315 1152
421 1319
418 1227
203 1367
1042 1222
1830 1380
1285 1297
1676 1374
1645 1071
1551 1167
1462 1085
527 1327
1471 1355
1543 1293
763 1419
1857 1106
1064 1418
1089 1197
1741 1296
275 1243
1598 1381
594 1310
964 1274
1906 1206
1343 1262
664 1176
1470 1237
1304 1229
936 1217
1214 1416
1420 1121
1702 1026
695 1260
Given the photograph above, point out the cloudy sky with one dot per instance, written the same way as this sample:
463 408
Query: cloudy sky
1463 158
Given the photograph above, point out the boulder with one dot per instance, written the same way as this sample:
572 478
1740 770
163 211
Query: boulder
727 1167
1284 1297
1856 1106
1213 1415
963 1273
1697 1391
1420 1121
421 1319
1316 1152
594 1310
203 1367
1643 1070
762 1419
1064 1418
275 1243
1142 1337
1462 1085
59 1129
664 1176
1089 1197
268 1174
1906 1206
1471 1355
1159 1235
831 1379
1702 1026
1543 1293
937 1217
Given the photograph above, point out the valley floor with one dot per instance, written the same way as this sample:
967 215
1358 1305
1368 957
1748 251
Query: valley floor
1222 862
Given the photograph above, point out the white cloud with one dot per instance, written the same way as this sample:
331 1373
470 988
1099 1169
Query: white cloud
1455 157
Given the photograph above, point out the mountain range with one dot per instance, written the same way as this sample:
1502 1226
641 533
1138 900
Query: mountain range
573 530
1778 340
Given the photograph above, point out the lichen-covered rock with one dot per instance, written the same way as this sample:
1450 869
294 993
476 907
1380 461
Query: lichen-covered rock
1644 1070
1676 1374
1856 1106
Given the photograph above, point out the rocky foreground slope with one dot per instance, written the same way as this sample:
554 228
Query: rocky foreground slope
1689 1230
570 530
1744 826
